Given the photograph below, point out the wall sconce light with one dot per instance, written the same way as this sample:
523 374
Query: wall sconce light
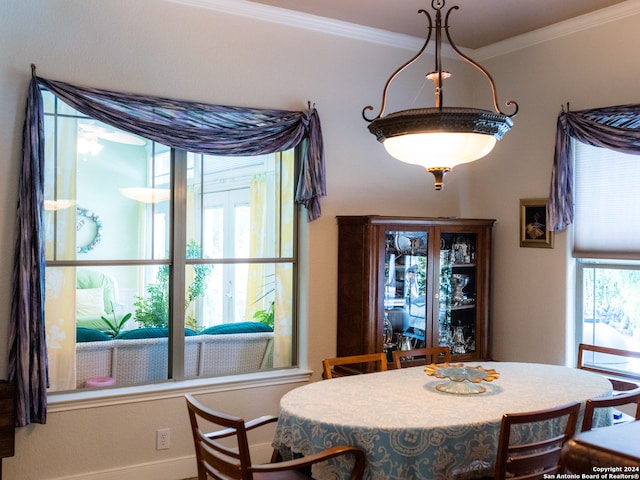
442 137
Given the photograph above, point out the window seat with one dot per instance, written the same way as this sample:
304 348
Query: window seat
144 360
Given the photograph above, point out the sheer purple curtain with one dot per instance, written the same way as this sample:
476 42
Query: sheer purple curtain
616 128
196 127
27 348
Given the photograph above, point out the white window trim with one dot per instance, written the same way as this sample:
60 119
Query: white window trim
80 400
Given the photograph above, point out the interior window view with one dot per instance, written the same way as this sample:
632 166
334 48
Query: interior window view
114 202
610 312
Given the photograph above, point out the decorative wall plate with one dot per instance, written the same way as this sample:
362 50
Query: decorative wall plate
88 230
461 379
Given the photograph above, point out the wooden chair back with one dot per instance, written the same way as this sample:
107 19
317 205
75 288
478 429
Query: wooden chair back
616 357
353 365
535 458
421 356
224 454
220 460
629 398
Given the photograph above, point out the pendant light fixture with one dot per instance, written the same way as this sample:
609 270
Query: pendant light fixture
439 138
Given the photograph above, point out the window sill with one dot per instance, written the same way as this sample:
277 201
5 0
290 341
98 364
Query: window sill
65 401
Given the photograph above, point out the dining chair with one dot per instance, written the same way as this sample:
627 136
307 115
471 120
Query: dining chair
615 356
231 459
430 354
537 457
353 365
591 405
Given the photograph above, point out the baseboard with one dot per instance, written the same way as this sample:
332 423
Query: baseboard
172 469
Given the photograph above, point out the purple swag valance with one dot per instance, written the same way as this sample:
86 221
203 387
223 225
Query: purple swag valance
616 128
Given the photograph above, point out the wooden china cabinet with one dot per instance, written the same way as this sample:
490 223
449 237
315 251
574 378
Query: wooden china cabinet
408 282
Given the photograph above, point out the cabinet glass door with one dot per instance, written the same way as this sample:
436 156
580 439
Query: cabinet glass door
405 290
457 296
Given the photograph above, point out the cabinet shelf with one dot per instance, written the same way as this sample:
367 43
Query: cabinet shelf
460 307
401 275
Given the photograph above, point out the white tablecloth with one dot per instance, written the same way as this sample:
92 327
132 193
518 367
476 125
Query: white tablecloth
410 430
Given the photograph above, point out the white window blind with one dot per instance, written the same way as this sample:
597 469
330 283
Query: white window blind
607 203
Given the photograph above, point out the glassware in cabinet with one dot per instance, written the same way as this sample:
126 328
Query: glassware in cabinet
405 289
412 282
458 282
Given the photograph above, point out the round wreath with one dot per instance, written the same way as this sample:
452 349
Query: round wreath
84 216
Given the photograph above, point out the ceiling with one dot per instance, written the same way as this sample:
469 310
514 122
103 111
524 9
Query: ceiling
476 24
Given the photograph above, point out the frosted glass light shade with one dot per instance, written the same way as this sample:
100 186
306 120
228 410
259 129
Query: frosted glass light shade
442 150
440 138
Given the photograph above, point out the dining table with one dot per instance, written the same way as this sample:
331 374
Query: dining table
410 427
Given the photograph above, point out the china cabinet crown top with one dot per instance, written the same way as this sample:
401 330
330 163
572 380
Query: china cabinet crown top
426 221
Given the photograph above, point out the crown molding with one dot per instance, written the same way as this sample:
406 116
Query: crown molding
290 18
619 11
329 26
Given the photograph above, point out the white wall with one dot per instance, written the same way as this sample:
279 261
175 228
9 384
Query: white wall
163 48
589 69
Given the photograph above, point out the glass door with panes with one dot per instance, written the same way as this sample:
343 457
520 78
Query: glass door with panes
409 282
405 289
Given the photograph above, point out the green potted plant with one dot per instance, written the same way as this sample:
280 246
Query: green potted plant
266 316
116 325
153 309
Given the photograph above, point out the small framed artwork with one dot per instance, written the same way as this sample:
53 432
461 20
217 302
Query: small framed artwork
533 223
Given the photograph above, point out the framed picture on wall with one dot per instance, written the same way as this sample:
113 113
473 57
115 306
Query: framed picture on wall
533 223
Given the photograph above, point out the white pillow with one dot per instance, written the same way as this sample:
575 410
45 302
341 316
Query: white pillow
89 302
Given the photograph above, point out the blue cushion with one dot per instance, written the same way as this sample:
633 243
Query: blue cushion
149 332
238 327
84 334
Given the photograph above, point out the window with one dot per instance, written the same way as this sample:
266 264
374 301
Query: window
606 230
163 264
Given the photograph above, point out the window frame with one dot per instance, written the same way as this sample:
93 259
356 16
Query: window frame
581 265
589 263
176 383
591 260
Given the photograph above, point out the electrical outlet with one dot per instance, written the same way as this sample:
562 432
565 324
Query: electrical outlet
163 439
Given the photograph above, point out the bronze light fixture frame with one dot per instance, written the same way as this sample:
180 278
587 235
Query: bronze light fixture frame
440 118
